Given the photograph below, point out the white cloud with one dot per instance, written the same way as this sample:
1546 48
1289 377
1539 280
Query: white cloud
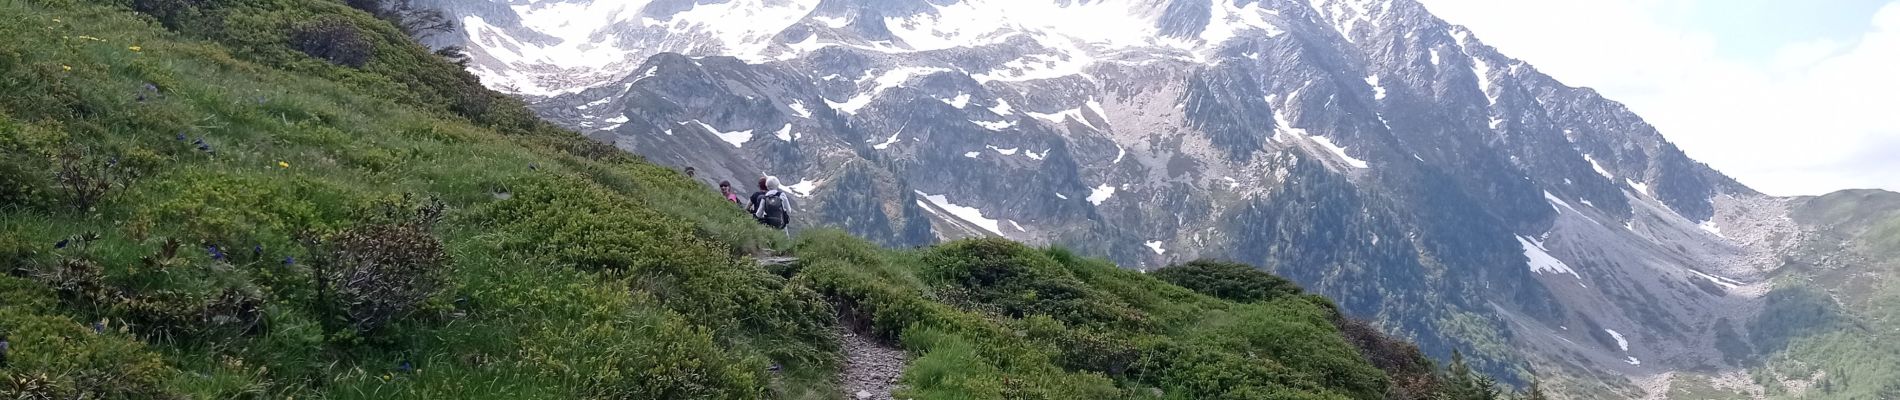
1817 117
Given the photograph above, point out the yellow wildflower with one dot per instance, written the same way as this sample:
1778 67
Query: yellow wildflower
66 67
281 164
91 38
56 20
135 48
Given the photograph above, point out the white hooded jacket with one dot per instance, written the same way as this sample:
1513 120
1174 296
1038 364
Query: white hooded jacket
774 188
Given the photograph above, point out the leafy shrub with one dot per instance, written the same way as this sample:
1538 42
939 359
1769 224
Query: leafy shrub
1084 350
333 39
1019 281
1229 281
53 357
23 185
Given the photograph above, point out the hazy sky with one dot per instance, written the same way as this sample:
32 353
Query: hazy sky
1790 97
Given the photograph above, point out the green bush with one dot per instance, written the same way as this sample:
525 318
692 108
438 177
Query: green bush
332 39
1227 280
1018 282
53 357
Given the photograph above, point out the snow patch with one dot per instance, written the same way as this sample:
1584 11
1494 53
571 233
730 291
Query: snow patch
1640 187
972 215
1632 361
1339 151
994 125
1620 342
596 103
1061 118
962 100
1282 126
1100 194
785 133
1059 195
804 187
1008 152
1599 167
736 138
798 109
1156 246
1001 108
1720 281
1541 261
973 154
888 142
1378 92
1709 226
890 79
1558 203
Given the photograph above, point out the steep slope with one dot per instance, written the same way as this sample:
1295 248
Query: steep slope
289 199
1364 148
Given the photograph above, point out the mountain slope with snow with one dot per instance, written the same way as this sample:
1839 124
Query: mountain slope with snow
1364 148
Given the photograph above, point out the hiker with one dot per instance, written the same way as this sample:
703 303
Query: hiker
725 188
752 204
773 207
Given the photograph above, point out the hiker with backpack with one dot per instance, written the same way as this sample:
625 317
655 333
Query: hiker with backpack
772 207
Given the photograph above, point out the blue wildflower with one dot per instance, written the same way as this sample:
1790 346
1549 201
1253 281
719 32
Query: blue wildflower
181 136
216 254
257 251
405 367
99 327
288 260
62 243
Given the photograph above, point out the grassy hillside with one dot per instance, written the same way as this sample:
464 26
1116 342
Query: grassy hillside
288 199
1833 331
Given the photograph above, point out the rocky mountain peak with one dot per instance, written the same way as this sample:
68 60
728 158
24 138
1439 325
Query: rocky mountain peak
1364 148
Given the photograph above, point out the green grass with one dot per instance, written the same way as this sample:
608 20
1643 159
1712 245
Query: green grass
567 269
1840 323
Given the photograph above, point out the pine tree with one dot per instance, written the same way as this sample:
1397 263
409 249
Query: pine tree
1535 392
1485 388
1459 382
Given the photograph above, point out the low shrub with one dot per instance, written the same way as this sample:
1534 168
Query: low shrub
1229 281
375 274
1018 281
334 39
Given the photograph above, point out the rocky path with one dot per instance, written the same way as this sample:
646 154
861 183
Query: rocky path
871 369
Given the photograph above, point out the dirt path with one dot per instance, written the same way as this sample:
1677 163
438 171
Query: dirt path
871 369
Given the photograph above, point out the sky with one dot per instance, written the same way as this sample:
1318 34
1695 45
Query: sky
1789 97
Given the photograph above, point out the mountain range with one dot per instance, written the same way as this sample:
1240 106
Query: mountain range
1365 149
